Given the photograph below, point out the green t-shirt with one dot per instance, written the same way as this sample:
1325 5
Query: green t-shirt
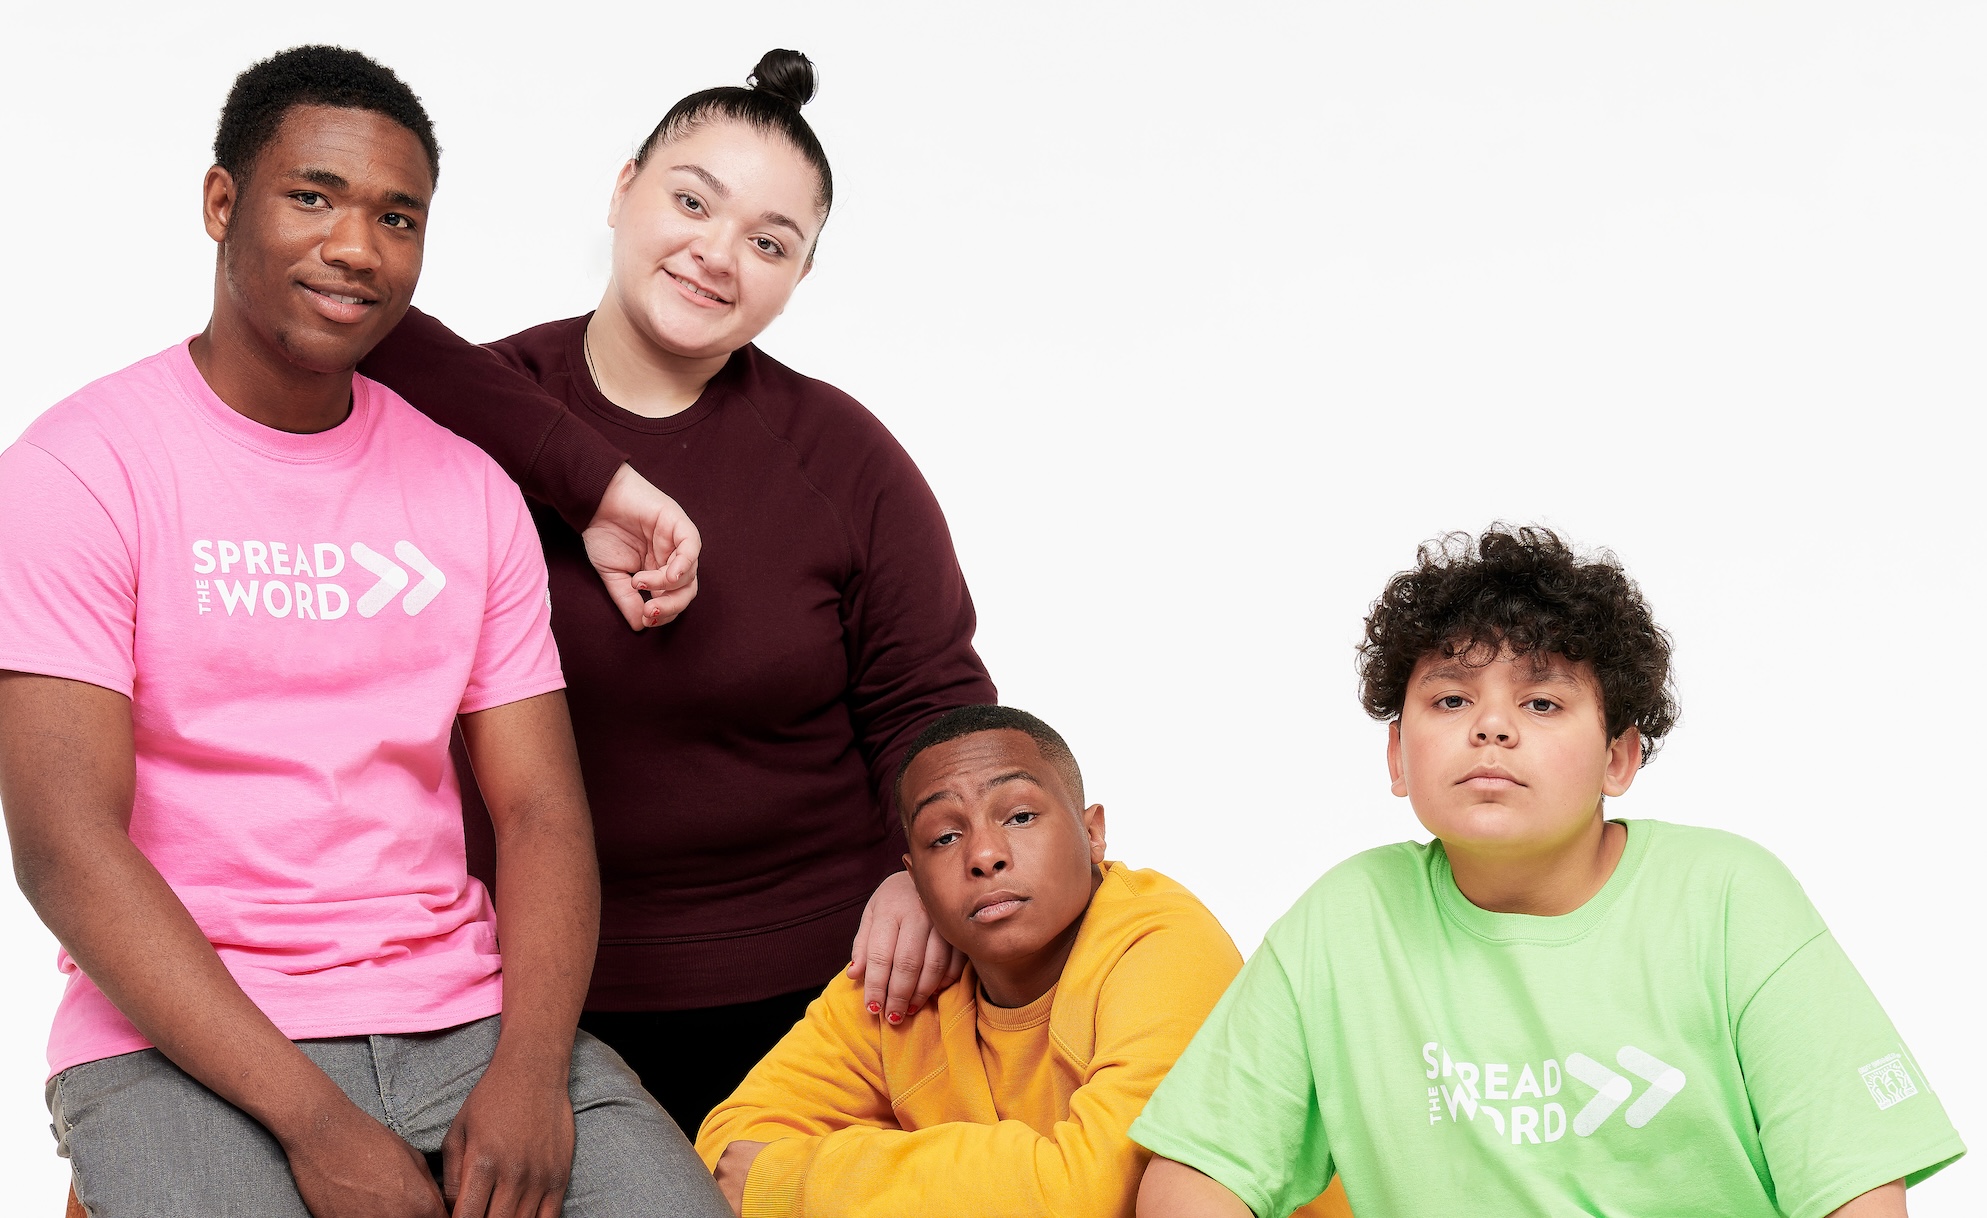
1691 1041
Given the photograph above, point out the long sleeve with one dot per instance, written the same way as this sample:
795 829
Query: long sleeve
908 616
1150 1003
554 456
824 1075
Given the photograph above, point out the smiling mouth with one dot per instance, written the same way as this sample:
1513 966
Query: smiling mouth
706 293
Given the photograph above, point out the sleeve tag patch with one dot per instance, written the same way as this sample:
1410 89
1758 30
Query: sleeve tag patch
1888 1080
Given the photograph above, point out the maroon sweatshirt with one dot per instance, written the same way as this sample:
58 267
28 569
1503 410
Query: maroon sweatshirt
739 759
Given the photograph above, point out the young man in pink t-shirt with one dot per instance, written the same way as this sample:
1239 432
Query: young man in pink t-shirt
245 598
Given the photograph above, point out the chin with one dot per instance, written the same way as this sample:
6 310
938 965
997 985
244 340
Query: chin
1486 824
315 351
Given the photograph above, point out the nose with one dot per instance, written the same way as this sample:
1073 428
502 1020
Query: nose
1494 727
989 856
352 242
712 250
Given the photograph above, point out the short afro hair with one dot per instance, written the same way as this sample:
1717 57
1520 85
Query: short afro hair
971 720
1526 592
313 76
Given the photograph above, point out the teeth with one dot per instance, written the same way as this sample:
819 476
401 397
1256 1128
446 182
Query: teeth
342 299
699 291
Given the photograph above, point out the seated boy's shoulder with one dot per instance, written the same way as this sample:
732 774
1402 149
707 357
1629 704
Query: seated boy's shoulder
1706 860
1144 896
1382 877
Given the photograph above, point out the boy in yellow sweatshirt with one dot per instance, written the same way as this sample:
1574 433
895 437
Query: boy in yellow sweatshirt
1011 1093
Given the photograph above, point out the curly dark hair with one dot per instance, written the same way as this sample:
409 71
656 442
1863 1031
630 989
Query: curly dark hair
313 76
1523 591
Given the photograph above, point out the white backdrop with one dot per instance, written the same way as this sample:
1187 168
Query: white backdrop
1199 317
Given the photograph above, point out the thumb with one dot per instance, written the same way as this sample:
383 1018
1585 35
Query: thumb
621 590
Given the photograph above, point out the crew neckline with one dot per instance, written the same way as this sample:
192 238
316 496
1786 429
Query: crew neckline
1538 928
326 445
1017 1019
610 411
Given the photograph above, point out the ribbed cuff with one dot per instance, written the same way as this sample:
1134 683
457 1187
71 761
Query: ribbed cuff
773 1187
572 468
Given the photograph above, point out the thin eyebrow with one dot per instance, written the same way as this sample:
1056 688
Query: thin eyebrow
773 217
710 179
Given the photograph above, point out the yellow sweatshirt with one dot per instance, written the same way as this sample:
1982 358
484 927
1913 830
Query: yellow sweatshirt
970 1108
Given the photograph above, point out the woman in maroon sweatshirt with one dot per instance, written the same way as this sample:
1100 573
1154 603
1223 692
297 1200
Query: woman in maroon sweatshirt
739 760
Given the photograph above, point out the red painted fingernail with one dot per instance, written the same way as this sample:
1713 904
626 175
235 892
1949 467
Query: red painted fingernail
874 1008
896 1018
912 1011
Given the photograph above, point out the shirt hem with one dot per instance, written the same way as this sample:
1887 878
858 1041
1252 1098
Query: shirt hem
1911 1168
68 671
1247 1194
518 693
356 1026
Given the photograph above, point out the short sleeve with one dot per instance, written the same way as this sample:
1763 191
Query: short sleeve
68 582
1841 1104
1241 1104
515 655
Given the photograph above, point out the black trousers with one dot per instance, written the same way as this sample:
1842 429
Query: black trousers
690 1061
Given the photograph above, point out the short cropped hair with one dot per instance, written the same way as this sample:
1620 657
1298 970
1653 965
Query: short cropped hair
971 720
313 76
1526 592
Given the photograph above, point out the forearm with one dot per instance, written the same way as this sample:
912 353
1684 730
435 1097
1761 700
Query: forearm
129 933
1009 1170
549 926
67 780
1174 1190
553 455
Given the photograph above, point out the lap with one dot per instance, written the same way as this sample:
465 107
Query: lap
144 1138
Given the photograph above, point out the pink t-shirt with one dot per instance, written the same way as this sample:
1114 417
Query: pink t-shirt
297 619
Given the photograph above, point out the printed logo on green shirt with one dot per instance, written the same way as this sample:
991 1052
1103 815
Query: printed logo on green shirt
1546 1122
1889 1082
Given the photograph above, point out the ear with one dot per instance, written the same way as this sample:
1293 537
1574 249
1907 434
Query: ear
1396 762
217 202
629 172
1624 762
908 864
1093 828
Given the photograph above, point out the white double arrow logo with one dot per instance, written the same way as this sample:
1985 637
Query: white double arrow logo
392 579
1612 1090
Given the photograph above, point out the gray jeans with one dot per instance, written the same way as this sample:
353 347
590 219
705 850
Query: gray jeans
146 1141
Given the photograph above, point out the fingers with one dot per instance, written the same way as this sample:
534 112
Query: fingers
452 1162
686 546
880 959
955 970
859 950
906 965
664 607
472 1199
932 977
622 591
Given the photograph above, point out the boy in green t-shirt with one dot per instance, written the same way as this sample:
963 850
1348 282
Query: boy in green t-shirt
1542 1011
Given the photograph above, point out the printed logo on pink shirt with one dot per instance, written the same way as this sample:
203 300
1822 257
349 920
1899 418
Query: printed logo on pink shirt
319 598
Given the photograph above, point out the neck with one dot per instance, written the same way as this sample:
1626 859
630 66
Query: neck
1016 983
260 383
635 373
1545 883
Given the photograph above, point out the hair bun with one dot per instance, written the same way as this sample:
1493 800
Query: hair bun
787 75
